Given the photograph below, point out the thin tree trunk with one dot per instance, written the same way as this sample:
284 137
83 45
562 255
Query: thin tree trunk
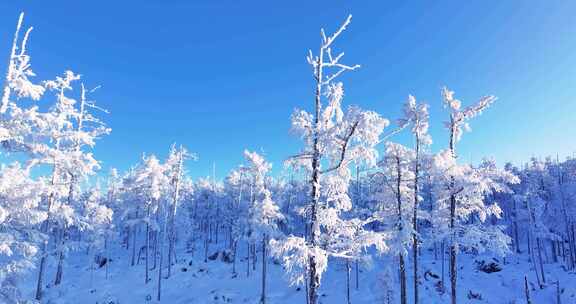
540 260
254 257
529 245
263 297
59 270
453 249
415 220
306 284
403 292
357 274
133 246
107 256
527 291
206 250
155 254
147 246
348 281
248 259
45 229
443 262
515 227
160 275
558 300
41 273
234 253
573 242
403 298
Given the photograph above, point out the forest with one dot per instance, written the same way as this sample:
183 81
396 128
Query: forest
355 216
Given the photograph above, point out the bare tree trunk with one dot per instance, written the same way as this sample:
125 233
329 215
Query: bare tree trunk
403 292
248 259
39 284
133 246
155 254
558 300
572 242
403 299
263 296
443 262
160 274
45 229
306 284
357 274
107 256
527 291
540 260
162 210
348 281
415 219
234 253
147 246
58 279
529 245
554 251
515 227
254 257
453 249
533 261
206 249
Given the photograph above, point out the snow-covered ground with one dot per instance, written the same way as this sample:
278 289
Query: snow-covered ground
195 281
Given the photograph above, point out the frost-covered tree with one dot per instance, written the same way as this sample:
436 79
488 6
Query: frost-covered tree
264 214
20 194
17 77
396 197
151 183
20 197
462 190
416 116
334 139
95 224
71 131
236 215
455 125
174 170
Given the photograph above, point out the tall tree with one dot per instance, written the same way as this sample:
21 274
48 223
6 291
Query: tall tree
336 138
264 214
416 115
462 182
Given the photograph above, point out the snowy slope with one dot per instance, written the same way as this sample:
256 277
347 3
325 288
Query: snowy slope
213 282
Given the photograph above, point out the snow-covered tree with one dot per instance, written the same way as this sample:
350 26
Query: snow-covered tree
334 139
396 197
20 197
263 214
462 189
416 116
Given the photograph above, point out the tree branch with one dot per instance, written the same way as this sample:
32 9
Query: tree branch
346 140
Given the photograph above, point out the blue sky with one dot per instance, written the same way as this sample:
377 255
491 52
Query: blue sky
222 76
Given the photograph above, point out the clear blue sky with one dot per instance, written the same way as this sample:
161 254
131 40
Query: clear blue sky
221 76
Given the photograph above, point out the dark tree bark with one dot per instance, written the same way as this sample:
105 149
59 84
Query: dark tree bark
263 296
415 220
527 291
